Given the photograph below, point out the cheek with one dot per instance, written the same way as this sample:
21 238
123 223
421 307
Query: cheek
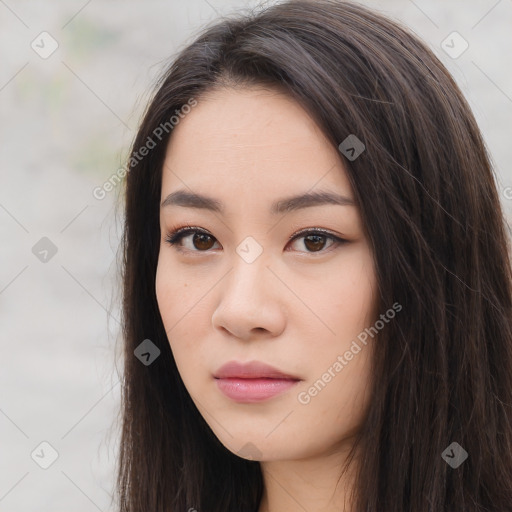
174 292
356 299
344 401
171 294
165 290
183 313
346 305
344 298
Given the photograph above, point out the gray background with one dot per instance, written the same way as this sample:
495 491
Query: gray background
66 125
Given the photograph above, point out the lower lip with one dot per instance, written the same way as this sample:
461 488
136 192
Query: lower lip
253 390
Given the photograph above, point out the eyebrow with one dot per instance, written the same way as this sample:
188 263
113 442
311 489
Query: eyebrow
287 204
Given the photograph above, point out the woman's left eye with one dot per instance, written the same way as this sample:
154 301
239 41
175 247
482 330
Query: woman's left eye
201 241
315 240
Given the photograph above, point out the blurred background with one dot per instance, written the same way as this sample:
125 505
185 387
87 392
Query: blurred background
74 79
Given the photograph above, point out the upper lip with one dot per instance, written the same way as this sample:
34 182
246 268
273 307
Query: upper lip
251 370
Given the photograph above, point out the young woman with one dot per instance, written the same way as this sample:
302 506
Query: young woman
317 284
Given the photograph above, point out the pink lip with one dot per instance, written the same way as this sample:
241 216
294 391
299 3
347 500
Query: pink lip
252 382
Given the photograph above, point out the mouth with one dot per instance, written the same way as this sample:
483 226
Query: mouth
252 382
253 390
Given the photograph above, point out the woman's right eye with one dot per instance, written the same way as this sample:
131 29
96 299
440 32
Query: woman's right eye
198 240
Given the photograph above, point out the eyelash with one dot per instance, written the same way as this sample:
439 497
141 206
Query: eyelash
175 236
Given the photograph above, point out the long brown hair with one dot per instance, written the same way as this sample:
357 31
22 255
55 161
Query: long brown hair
427 196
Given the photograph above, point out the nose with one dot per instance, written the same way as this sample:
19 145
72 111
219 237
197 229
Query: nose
250 303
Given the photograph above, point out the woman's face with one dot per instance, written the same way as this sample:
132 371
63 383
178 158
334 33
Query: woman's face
246 288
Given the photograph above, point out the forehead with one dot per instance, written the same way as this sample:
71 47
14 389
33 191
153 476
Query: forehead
251 144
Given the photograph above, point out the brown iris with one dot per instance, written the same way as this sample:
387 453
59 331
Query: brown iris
313 242
200 241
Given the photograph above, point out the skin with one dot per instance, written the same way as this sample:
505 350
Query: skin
297 306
